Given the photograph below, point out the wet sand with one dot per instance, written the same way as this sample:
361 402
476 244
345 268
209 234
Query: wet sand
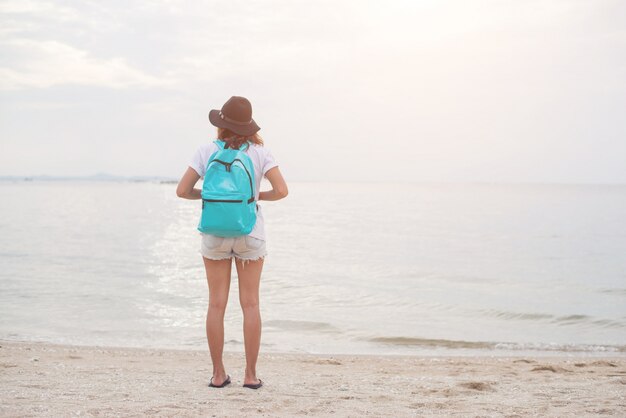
42 379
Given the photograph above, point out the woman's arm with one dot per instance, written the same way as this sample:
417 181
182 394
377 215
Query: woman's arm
185 185
279 186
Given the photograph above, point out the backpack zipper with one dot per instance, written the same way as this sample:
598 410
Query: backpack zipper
219 201
228 166
222 200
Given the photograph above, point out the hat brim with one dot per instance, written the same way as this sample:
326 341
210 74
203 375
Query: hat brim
243 130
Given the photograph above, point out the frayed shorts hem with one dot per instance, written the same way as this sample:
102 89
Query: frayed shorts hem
217 258
244 248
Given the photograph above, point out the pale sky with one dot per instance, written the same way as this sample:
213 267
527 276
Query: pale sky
505 91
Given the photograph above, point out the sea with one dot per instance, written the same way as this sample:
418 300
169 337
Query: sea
352 268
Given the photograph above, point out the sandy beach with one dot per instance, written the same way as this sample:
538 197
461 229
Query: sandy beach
41 379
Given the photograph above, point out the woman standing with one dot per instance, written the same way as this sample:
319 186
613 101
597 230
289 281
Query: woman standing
235 127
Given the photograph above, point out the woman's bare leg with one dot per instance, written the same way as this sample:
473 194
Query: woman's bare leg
218 278
249 279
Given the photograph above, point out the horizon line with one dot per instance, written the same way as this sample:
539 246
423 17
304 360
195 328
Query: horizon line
170 179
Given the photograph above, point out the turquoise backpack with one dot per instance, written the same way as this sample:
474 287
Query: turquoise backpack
228 205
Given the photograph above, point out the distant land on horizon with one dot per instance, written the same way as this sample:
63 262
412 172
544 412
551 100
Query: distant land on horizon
93 177
171 180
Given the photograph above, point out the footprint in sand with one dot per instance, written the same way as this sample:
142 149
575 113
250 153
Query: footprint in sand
450 392
603 363
330 361
7 365
553 369
417 405
479 386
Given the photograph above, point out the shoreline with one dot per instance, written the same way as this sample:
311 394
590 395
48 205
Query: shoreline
593 351
41 378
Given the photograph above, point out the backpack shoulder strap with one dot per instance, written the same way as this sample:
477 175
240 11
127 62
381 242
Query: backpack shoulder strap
243 148
220 144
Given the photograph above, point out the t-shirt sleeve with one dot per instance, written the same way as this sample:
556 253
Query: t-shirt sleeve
197 162
269 161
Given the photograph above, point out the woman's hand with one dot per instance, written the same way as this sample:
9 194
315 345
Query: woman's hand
185 185
279 186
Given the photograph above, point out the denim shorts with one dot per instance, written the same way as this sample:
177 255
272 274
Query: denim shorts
245 247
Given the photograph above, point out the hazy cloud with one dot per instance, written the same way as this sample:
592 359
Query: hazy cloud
428 90
49 63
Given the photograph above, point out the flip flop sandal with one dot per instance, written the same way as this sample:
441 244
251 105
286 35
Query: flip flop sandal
254 386
224 383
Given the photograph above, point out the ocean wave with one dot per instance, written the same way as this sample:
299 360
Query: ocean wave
295 325
460 344
428 342
613 291
574 319
562 347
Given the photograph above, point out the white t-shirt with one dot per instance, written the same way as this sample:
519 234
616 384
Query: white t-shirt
263 161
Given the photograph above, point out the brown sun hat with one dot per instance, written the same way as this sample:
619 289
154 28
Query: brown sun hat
236 116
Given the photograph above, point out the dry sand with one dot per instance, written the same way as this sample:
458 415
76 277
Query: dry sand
41 379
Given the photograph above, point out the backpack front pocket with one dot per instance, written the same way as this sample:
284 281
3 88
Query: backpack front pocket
222 198
227 216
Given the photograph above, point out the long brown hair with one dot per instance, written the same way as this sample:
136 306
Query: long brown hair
234 141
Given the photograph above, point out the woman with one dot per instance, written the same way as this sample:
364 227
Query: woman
235 126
